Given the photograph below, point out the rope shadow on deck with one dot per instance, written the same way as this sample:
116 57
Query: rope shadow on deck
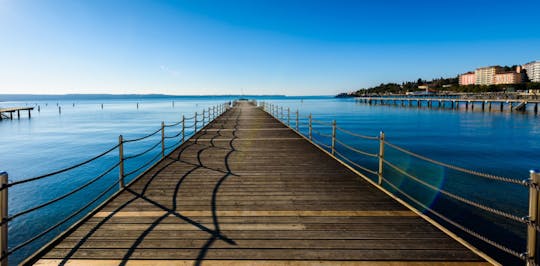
215 233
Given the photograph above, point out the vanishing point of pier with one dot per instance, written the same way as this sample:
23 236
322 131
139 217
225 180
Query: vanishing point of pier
249 190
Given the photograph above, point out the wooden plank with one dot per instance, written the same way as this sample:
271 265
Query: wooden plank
268 254
76 262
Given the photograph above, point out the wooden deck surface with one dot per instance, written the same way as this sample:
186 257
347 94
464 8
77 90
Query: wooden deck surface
250 191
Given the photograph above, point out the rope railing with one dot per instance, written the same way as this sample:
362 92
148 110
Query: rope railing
457 225
533 183
356 165
320 143
319 122
143 165
173 124
356 150
21 213
321 134
59 171
213 113
174 136
143 152
457 168
456 197
357 135
60 223
143 137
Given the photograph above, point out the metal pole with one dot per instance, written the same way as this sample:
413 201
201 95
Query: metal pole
195 130
381 157
310 126
533 217
203 117
183 128
281 113
162 139
121 158
4 216
333 137
296 119
288 116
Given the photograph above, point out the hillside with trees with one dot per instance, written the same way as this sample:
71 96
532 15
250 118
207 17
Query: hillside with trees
441 86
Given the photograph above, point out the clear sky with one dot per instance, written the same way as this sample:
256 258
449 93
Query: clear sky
288 47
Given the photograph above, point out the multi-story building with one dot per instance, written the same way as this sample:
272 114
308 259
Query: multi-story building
468 78
508 78
533 71
486 75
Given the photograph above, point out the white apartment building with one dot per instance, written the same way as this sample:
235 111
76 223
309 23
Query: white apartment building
533 71
486 75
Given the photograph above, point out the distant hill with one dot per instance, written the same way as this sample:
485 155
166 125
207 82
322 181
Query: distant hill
60 97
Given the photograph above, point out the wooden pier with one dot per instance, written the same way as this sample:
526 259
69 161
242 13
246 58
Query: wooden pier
7 113
248 190
455 103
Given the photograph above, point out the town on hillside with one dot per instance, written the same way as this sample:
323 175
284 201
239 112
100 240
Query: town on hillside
518 81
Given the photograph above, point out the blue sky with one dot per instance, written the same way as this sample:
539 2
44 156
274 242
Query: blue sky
254 46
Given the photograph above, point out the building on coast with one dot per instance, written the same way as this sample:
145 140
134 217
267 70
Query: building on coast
533 70
468 78
486 75
493 75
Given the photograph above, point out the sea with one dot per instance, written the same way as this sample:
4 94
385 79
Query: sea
67 131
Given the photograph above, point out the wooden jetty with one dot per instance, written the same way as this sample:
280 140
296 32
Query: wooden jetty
7 113
248 190
454 103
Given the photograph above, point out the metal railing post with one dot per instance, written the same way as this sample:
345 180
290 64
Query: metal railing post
310 126
4 216
333 137
282 113
203 116
195 121
162 139
381 157
296 119
533 217
183 128
121 158
288 116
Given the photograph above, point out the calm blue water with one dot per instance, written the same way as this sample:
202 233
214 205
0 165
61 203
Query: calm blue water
499 143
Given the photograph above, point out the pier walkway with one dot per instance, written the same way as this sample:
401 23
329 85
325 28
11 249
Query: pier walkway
248 190
5 111
454 103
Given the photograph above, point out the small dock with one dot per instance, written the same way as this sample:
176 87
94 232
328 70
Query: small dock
7 113
248 190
